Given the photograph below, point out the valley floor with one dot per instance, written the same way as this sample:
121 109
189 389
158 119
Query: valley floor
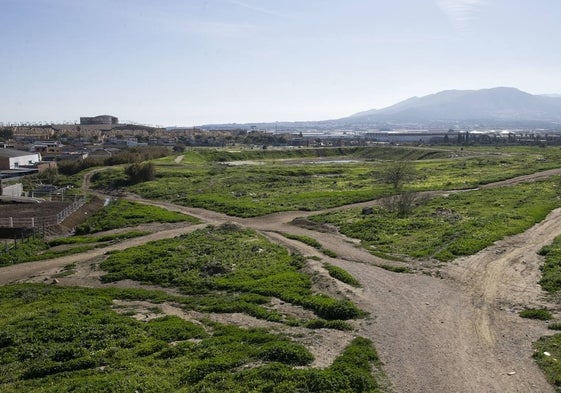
446 328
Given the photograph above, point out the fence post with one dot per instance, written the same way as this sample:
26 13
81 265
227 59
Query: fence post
11 222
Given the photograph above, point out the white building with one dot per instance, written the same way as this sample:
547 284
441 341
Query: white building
14 159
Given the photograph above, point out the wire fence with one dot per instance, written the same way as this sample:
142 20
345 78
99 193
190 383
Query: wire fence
44 221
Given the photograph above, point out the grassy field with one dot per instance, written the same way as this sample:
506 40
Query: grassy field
255 182
56 339
117 214
121 213
226 269
448 227
548 348
69 339
38 249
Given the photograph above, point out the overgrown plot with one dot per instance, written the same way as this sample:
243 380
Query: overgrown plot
445 228
121 213
56 339
226 269
207 178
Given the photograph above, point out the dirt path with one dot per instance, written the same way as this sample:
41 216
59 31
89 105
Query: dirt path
24 271
458 333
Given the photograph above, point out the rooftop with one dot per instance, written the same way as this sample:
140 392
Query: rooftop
14 153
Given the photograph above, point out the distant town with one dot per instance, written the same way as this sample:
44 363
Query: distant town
104 135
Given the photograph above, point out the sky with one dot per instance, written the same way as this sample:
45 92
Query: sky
194 62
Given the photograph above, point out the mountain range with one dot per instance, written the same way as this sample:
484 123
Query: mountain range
499 104
495 107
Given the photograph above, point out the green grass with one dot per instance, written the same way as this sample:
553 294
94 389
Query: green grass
122 213
550 365
551 269
448 227
37 249
299 180
67 270
536 313
341 275
310 242
96 239
207 262
55 339
304 239
324 324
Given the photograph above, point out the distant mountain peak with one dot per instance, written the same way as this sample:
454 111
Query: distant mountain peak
492 104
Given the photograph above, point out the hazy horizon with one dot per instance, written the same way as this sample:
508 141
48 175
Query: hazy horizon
225 61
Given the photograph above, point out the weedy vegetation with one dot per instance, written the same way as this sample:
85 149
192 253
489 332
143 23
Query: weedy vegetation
121 213
226 269
38 249
310 241
55 339
551 269
341 275
252 183
444 228
536 313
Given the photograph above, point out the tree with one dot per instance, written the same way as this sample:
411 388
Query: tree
402 204
138 173
179 148
398 173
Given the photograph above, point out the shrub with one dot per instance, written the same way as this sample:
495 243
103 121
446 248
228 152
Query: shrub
536 313
139 173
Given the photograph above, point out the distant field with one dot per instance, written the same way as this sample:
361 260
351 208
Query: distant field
303 179
448 227
121 213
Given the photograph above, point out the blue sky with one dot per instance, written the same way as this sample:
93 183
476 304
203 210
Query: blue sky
191 62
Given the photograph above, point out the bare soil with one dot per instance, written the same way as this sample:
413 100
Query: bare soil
451 328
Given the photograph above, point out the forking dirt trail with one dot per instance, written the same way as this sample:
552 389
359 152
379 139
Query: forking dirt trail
455 331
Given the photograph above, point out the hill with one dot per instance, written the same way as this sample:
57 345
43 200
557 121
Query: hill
500 104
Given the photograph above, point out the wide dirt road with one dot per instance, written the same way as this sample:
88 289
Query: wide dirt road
455 331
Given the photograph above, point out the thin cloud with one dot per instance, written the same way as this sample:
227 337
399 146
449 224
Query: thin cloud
461 13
